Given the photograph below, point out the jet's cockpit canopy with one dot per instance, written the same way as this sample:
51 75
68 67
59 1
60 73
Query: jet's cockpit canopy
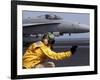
50 17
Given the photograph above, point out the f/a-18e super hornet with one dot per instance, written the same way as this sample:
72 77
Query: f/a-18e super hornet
51 23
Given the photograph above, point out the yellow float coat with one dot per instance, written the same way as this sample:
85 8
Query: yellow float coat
38 53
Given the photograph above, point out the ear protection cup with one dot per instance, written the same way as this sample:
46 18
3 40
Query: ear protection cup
51 41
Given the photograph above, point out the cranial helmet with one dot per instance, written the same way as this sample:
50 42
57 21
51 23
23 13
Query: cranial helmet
50 37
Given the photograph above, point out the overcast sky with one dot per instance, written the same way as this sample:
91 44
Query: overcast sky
74 17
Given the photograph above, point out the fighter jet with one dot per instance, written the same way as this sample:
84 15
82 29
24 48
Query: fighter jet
51 23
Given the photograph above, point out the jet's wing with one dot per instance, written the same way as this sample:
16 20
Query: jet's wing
39 24
40 28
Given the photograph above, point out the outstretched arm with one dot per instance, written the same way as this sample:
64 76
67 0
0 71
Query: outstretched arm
56 55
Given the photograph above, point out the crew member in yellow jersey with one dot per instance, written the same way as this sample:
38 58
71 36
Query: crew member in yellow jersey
37 53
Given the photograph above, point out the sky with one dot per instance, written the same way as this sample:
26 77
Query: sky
82 18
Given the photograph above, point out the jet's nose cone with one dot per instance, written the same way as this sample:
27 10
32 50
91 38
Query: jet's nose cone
84 27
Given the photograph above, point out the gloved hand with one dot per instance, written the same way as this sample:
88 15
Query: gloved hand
73 49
